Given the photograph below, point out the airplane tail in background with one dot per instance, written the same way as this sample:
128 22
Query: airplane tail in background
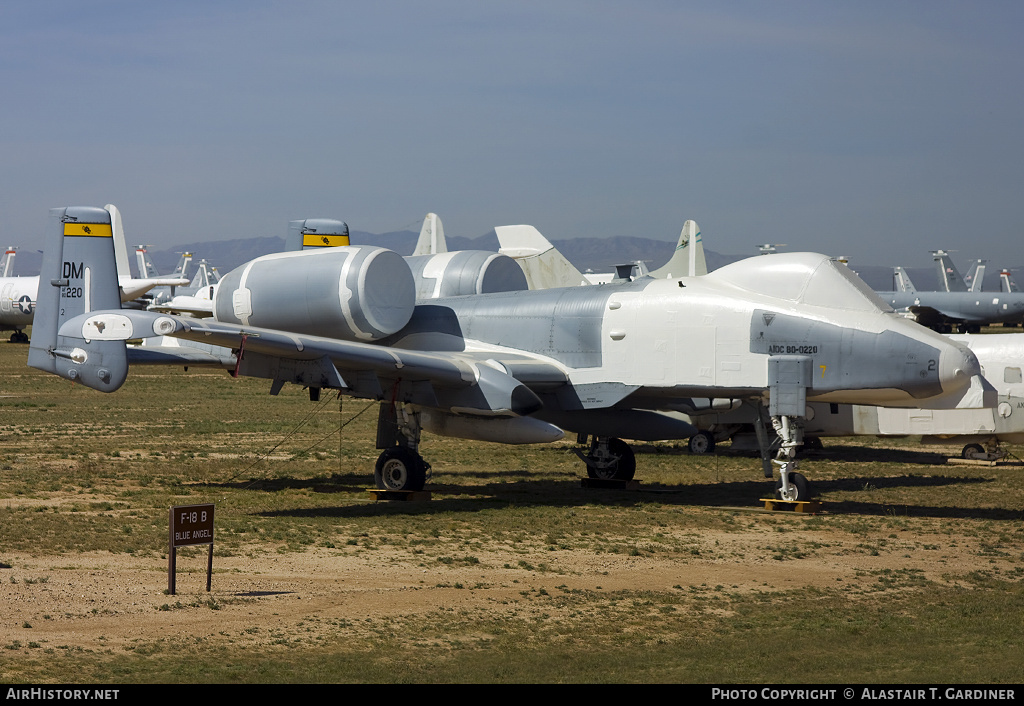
1006 283
79 276
544 266
7 264
312 233
688 259
975 277
431 240
147 270
903 283
143 263
181 270
949 277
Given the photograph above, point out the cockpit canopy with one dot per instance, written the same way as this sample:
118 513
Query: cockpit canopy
805 278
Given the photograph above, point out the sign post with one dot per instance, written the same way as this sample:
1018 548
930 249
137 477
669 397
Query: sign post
190 525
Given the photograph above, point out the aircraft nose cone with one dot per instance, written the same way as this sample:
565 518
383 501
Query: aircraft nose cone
957 365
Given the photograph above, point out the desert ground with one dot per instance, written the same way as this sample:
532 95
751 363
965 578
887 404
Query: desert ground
910 570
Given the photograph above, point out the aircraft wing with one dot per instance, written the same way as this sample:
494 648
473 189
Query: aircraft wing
132 288
463 383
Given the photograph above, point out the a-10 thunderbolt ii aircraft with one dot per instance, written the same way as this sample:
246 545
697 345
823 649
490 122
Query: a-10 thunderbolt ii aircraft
517 367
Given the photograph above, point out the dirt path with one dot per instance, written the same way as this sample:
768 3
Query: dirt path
116 602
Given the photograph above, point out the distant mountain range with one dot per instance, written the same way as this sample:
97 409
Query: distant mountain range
596 254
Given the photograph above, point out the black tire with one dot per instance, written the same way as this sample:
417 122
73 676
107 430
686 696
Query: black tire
701 443
623 467
972 451
798 484
400 468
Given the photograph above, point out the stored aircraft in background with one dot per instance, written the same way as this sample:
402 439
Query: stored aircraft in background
545 267
965 307
146 268
966 310
949 276
518 367
18 294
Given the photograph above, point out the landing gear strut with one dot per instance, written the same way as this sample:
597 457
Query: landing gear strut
400 466
609 459
791 485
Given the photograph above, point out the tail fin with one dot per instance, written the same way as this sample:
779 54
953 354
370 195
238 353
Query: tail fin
181 270
142 262
312 233
949 277
975 277
1006 283
543 265
431 240
78 276
7 264
688 259
120 247
903 283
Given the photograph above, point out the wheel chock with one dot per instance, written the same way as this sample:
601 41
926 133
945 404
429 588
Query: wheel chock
811 507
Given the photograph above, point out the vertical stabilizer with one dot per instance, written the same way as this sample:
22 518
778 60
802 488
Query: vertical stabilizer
313 233
7 264
949 278
688 259
542 264
1006 283
903 283
78 276
181 270
975 277
143 263
120 247
431 240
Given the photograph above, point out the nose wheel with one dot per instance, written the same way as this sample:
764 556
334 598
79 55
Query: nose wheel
796 489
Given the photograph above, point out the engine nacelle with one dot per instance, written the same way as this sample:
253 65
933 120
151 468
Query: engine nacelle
455 274
354 293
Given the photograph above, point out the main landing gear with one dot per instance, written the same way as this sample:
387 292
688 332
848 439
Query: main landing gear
608 459
990 451
19 337
400 466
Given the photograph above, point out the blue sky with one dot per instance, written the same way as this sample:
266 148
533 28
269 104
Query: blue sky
877 130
